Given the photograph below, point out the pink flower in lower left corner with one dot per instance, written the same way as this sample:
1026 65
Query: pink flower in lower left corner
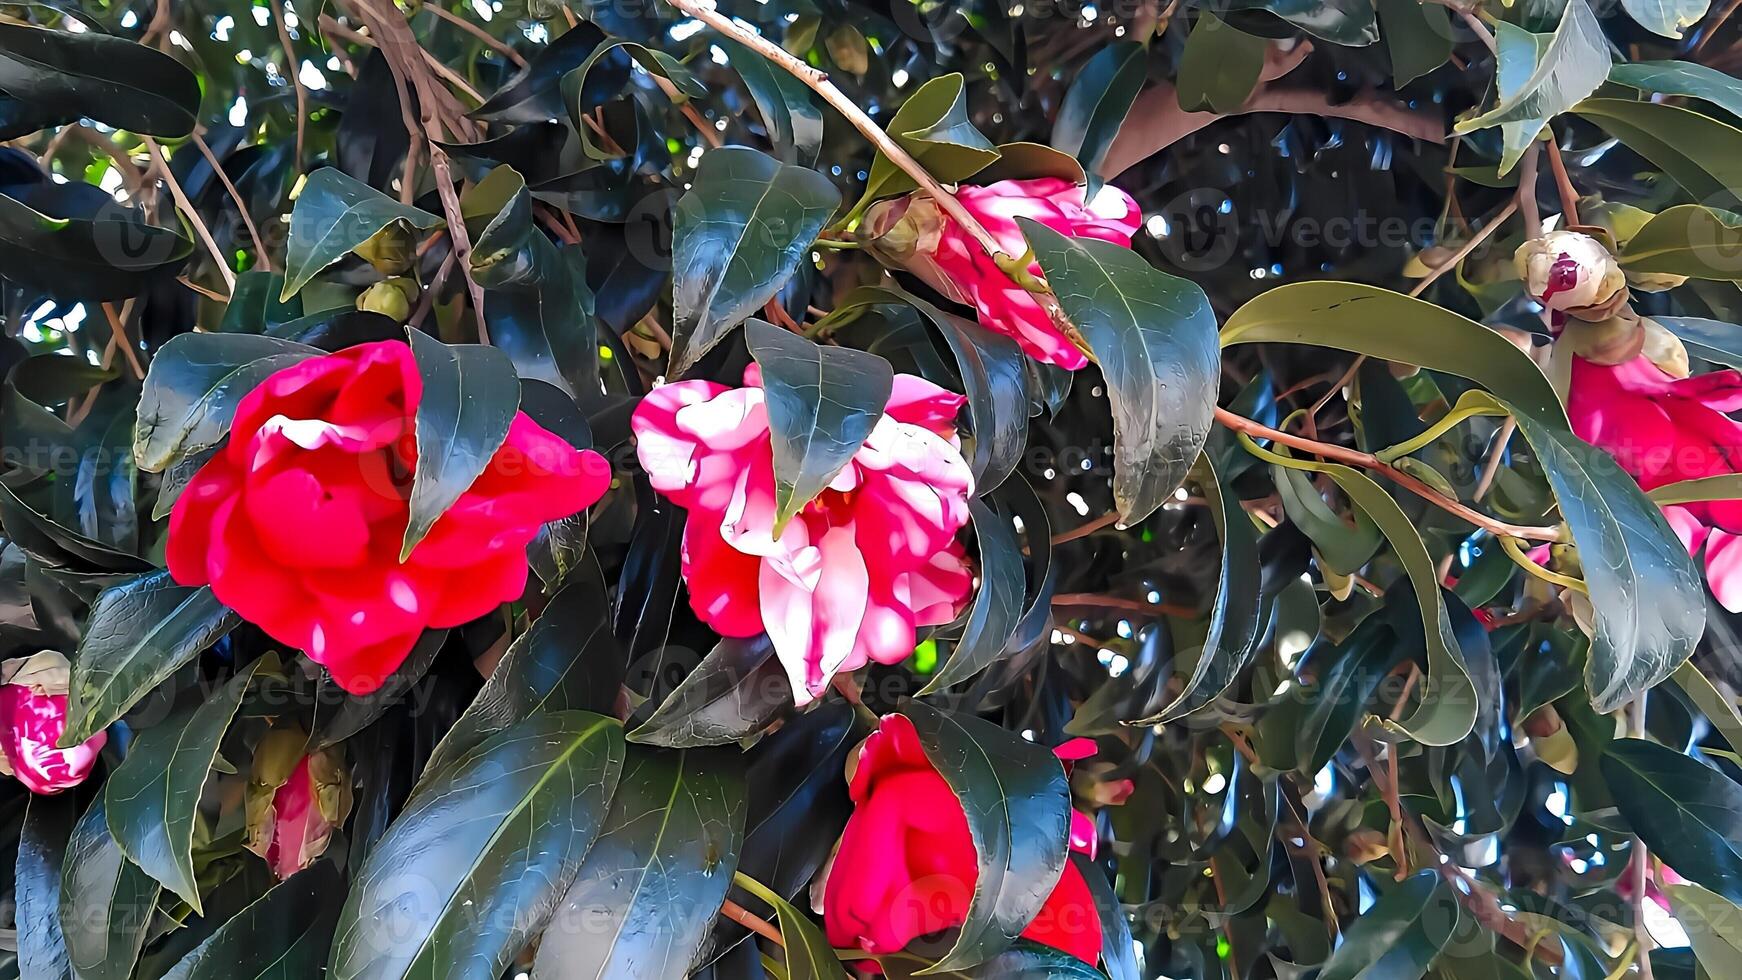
33 714
852 574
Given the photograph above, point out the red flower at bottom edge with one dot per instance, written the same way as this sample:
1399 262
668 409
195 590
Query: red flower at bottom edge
906 866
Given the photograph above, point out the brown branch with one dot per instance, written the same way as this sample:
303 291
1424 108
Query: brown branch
751 921
1465 249
264 260
1083 531
1562 181
709 134
1099 601
121 341
1368 461
295 70
188 211
492 43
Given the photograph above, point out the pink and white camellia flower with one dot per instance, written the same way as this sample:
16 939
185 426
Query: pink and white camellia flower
33 714
1663 429
913 233
297 523
852 575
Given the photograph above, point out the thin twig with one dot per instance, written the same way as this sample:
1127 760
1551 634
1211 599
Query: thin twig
1491 468
492 43
1464 250
709 134
1640 869
1082 531
1718 20
1368 461
295 72
122 342
1527 171
751 921
263 260
1562 181
1099 601
193 215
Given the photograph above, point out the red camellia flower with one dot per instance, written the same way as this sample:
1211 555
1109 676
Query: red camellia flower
1663 429
33 714
912 232
906 865
855 571
297 523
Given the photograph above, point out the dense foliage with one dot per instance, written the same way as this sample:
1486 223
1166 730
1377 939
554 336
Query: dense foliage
1128 416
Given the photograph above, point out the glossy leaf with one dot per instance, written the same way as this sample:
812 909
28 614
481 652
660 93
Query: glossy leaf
1713 340
42 845
644 898
1220 66
106 902
1154 337
1666 17
807 953
194 386
283 935
1346 22
735 692
1023 961
1557 73
1400 935
334 214
739 234
152 798
535 94
470 397
1018 808
1711 924
62 249
1689 814
788 108
1236 619
569 660
1700 153
1418 36
997 604
254 305
1682 78
1687 240
934 128
63 76
482 853
1645 591
822 404
139 633
1095 106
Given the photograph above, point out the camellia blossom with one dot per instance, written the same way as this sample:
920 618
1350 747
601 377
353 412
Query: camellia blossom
1571 272
33 714
852 575
294 800
915 234
906 866
297 523
1663 429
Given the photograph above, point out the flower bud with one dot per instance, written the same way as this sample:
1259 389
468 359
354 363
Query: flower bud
33 714
294 800
1366 845
1550 739
1572 272
390 250
1617 340
390 298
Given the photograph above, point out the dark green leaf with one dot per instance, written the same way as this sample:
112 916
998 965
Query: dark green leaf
822 404
139 633
357 711
55 544
537 303
1097 102
739 234
1220 66
1544 78
1023 961
1646 593
789 110
1018 808
934 128
282 936
535 95
1400 935
569 660
1712 928
1236 620
1689 814
477 862
42 845
1682 78
1346 22
1118 957
1417 35
1698 152
194 385
1713 340
997 606
1154 336
735 692
1687 240
60 248
807 953
645 897
334 214
64 76
254 305
152 798
51 379
106 902
470 397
